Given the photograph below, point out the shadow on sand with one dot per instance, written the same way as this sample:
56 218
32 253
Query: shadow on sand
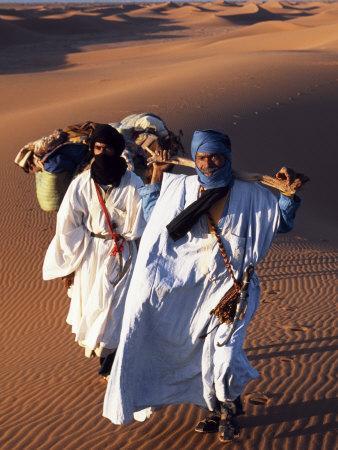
39 39
301 411
262 15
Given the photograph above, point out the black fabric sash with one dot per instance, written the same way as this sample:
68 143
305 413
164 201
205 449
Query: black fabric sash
182 223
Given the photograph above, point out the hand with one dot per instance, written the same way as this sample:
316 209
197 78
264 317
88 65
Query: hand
158 169
159 158
290 181
286 175
68 280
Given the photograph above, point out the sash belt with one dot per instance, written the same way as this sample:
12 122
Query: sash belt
101 236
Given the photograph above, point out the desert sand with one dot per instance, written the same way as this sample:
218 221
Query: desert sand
264 73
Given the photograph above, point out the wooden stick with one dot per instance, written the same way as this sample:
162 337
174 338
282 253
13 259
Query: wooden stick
273 182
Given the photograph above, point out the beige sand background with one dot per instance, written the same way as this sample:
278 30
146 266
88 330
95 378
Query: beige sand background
264 73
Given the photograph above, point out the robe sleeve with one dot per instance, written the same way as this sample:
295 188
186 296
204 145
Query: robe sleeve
149 194
68 247
264 224
134 224
271 215
287 207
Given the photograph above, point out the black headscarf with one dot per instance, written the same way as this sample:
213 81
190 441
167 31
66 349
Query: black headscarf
108 168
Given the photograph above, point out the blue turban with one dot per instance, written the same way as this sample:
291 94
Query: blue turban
211 141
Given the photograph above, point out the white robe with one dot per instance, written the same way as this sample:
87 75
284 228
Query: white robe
101 281
161 359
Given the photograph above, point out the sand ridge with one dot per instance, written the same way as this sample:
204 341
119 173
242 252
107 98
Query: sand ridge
265 73
153 21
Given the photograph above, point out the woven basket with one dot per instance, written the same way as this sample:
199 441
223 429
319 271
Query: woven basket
50 189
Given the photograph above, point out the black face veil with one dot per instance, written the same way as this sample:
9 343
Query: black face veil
108 167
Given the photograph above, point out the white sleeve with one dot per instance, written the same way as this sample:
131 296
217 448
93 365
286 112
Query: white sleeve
134 223
68 247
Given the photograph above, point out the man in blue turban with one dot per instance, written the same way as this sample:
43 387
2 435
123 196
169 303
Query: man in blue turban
178 342
211 151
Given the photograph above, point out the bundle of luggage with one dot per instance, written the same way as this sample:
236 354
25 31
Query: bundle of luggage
56 159
143 132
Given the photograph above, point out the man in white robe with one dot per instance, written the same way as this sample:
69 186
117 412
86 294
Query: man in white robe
179 277
82 246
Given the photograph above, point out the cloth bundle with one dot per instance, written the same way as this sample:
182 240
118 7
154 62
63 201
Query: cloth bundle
142 130
32 157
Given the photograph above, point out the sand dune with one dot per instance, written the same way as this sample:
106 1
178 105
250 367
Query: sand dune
264 73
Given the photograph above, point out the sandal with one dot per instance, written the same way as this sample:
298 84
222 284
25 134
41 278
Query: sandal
208 425
228 428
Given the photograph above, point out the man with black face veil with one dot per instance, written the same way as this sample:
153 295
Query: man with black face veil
94 246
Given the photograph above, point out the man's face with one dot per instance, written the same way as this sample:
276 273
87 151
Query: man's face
100 147
208 163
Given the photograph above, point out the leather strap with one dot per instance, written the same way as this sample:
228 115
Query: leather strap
100 236
227 263
117 238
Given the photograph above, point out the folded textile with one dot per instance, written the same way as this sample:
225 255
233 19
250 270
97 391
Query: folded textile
66 158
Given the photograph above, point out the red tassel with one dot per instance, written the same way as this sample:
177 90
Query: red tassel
118 248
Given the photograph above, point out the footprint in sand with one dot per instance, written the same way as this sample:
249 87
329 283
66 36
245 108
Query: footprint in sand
258 398
287 359
288 308
297 327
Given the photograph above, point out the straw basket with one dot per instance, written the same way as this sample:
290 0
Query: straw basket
50 189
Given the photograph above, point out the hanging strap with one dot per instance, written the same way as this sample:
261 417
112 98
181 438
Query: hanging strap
117 238
227 263
226 308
